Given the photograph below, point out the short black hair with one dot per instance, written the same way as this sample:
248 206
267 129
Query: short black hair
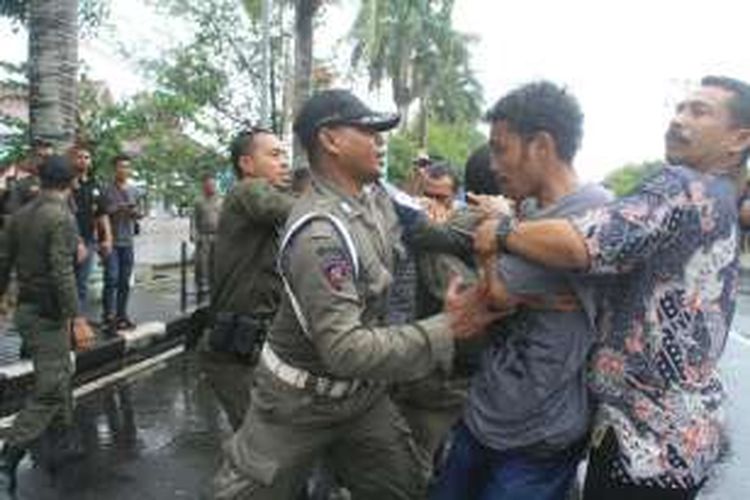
440 169
56 172
120 157
739 105
300 178
478 175
38 143
542 107
242 145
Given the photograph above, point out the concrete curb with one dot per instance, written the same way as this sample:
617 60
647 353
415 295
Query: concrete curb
130 347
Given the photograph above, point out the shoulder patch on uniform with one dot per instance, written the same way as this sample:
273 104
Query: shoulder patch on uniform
335 266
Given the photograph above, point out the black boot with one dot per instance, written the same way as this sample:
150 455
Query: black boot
9 459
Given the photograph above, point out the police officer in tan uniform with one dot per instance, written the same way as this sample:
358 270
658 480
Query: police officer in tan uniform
320 387
203 226
246 288
41 247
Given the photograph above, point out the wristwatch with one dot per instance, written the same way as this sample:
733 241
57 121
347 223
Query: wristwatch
506 225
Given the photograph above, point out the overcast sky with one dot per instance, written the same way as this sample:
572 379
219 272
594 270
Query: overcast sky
627 62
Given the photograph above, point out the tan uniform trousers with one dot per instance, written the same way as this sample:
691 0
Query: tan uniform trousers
231 381
431 407
362 437
51 401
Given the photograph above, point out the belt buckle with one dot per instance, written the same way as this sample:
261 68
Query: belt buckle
322 386
338 389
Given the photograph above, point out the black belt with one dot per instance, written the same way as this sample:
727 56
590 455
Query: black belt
238 318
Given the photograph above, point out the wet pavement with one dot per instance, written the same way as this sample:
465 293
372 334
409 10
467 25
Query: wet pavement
732 478
155 436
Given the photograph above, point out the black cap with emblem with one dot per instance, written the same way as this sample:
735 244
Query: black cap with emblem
338 107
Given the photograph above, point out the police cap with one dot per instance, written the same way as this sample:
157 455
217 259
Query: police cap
338 107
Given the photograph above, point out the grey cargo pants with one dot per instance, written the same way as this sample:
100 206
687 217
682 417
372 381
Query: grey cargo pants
286 430
51 402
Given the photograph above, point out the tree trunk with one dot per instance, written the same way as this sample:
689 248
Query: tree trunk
53 70
303 60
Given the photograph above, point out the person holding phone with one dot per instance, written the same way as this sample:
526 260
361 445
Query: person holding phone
120 202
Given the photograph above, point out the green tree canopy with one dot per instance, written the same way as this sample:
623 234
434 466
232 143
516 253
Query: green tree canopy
627 178
454 142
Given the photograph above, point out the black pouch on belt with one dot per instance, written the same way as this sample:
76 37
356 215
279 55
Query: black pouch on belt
238 334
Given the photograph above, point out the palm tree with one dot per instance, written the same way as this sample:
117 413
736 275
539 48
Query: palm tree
412 43
53 68
386 34
304 16
304 11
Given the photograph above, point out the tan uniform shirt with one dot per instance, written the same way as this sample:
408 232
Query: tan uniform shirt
41 245
345 311
245 280
205 219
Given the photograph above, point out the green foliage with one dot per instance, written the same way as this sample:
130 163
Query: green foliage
218 71
413 45
206 88
167 161
15 132
454 142
14 143
626 179
17 10
402 149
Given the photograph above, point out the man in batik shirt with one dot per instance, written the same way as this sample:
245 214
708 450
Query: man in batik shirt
666 263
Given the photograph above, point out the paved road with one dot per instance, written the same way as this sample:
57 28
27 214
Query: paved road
732 480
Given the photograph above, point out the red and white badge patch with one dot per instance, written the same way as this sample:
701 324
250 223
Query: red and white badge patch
335 266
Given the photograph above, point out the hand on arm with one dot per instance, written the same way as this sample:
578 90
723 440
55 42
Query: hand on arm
491 206
81 251
553 243
468 309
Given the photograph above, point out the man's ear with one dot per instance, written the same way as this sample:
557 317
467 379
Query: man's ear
741 141
328 141
247 165
545 146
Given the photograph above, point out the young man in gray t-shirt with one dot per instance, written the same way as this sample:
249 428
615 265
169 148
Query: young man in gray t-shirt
120 203
527 417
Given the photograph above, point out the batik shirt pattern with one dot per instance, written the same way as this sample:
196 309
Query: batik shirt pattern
663 316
